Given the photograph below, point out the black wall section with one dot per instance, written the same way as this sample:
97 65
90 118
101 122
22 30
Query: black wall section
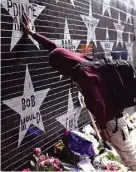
38 103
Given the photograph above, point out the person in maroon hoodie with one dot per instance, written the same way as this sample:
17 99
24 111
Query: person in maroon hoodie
94 90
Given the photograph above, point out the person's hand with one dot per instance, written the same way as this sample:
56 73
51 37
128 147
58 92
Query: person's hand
26 24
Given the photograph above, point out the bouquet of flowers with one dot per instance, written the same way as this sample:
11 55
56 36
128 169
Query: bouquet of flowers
41 162
59 147
108 161
64 153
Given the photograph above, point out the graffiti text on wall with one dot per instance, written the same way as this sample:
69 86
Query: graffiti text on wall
67 42
15 8
70 119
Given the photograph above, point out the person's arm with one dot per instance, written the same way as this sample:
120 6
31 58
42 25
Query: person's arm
95 103
27 29
48 44
94 100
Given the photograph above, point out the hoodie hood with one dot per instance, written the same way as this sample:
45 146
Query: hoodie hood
64 60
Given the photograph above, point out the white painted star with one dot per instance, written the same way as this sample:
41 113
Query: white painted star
67 42
107 45
15 8
72 2
128 13
106 6
129 46
28 107
91 24
70 119
119 28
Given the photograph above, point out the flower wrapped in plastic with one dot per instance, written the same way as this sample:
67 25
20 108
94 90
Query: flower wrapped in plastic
108 161
79 144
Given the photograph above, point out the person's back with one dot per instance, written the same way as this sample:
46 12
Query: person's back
98 101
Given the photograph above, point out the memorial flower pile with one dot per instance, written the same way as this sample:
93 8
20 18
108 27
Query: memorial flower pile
77 151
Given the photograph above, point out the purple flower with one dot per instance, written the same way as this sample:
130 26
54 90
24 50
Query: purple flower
112 167
41 164
57 161
42 158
